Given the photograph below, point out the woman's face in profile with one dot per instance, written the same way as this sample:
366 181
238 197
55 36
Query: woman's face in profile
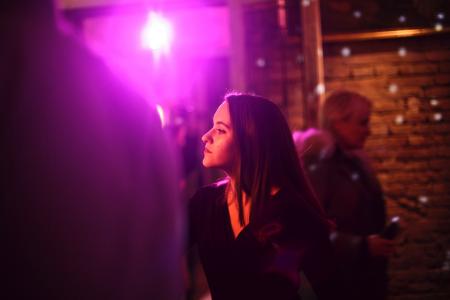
220 149
352 132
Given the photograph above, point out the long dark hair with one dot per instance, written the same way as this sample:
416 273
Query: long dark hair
267 153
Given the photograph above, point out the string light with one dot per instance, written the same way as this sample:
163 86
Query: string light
437 117
355 176
346 52
402 51
434 102
306 2
402 19
320 52
312 167
333 236
357 14
438 27
393 88
260 62
440 16
323 153
446 266
320 89
399 120
423 199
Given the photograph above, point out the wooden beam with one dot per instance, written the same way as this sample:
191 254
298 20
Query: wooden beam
237 48
313 79
383 34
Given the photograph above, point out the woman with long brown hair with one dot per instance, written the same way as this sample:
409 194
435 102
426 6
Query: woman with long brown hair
260 225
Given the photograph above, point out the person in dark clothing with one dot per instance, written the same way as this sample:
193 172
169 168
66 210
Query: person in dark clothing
260 225
350 193
89 205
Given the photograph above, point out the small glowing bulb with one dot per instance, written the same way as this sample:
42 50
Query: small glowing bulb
399 120
261 62
446 266
437 117
320 89
423 199
357 14
306 2
346 52
323 153
312 167
320 52
299 58
333 236
355 176
438 27
402 19
393 88
402 51
440 16
434 102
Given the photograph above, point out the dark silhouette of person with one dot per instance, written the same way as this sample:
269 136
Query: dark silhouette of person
350 193
89 201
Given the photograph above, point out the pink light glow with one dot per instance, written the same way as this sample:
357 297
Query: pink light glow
157 34
198 35
161 114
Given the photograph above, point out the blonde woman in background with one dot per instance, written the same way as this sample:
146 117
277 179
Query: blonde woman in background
350 193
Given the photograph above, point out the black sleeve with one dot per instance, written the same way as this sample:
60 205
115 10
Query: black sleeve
312 237
348 248
193 219
319 265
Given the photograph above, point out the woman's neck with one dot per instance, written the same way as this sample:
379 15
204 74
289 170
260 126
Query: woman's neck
232 194
231 190
233 207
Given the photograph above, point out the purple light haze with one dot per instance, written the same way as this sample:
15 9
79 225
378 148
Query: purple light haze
198 34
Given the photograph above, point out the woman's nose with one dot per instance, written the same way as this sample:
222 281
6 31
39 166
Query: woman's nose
206 137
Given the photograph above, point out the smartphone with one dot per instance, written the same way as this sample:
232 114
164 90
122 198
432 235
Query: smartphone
392 229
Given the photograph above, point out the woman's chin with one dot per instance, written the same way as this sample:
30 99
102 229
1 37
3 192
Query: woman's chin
206 163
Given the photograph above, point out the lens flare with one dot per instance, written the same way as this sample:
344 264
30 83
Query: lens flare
157 34
161 115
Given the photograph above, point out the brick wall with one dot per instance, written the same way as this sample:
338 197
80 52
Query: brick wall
408 81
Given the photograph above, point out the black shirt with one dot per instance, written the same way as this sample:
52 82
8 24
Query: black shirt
264 260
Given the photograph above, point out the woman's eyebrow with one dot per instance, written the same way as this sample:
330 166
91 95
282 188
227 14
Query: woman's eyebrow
223 123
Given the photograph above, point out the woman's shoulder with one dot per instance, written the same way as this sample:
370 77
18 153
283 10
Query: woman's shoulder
217 187
314 143
209 192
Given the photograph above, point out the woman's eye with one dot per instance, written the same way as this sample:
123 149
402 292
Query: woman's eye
220 131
